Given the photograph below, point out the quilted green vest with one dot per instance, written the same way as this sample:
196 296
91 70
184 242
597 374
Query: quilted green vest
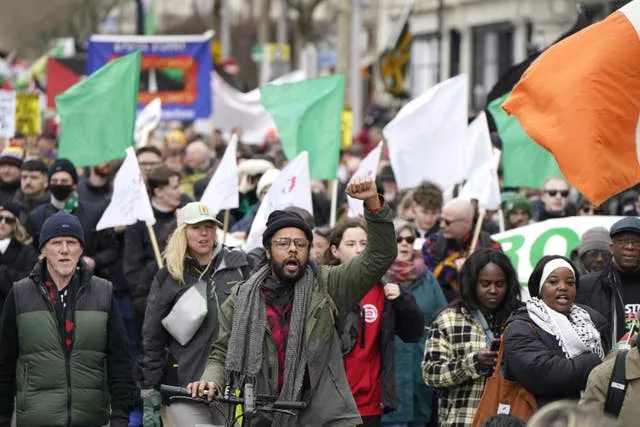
51 388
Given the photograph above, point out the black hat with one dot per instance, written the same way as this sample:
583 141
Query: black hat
35 165
64 165
281 219
629 224
14 208
61 224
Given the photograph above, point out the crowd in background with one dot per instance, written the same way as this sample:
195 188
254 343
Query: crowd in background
417 349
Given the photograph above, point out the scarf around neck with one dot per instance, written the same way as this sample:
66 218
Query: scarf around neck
576 333
405 272
247 333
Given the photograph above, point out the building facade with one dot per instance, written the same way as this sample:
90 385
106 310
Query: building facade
481 38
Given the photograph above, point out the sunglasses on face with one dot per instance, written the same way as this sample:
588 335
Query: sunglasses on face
7 220
408 239
554 193
448 222
589 209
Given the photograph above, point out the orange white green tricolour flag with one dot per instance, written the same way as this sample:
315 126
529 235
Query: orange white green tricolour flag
581 101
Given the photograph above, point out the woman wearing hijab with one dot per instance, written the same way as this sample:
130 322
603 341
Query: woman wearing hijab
552 344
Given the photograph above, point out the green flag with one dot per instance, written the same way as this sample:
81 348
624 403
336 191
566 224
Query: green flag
524 163
309 116
97 115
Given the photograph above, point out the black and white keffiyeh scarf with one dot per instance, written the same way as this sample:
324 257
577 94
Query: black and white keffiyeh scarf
575 333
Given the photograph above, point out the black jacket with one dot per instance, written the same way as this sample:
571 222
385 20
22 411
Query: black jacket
8 191
401 316
29 204
15 264
534 358
138 251
102 245
97 196
159 349
602 292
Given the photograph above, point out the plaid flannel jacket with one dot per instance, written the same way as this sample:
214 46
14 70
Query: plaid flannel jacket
449 365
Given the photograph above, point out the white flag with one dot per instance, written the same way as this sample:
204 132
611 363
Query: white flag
292 187
147 120
484 185
7 113
222 190
479 149
481 166
130 201
368 167
428 137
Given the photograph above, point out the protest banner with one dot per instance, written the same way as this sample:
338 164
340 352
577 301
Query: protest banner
526 245
28 114
176 69
7 113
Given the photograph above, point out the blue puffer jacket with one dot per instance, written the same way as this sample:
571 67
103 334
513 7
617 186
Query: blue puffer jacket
414 397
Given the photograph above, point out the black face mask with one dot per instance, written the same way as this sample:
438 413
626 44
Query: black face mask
61 192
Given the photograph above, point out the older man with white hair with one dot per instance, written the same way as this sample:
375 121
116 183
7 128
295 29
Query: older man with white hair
445 252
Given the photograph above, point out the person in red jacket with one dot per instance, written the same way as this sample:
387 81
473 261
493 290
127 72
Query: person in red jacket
368 332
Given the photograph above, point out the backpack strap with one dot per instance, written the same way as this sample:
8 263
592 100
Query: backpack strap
617 386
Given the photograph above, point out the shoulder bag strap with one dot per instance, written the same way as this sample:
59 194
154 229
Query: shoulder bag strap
617 386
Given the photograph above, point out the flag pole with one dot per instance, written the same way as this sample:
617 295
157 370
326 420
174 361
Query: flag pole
334 202
225 226
501 220
476 233
154 243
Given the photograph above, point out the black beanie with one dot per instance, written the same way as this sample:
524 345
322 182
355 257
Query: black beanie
63 165
61 224
281 219
14 208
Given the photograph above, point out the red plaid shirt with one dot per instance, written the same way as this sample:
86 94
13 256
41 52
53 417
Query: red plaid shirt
278 317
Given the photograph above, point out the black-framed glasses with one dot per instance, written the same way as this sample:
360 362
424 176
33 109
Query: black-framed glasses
7 220
408 239
554 193
284 243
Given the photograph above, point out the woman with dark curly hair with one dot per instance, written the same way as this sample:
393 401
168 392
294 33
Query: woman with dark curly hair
552 344
458 358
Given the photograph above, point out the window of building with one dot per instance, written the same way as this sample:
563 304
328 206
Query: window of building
492 56
424 63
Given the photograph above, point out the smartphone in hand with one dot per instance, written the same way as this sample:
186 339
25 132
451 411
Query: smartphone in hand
495 344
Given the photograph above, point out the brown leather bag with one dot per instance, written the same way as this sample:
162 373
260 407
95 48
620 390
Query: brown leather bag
502 396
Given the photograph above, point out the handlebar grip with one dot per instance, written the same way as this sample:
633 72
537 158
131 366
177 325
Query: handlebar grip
172 390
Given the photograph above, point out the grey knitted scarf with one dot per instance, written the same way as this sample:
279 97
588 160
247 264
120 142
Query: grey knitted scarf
244 353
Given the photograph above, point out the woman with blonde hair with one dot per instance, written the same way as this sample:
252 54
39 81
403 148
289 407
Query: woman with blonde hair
197 278
17 255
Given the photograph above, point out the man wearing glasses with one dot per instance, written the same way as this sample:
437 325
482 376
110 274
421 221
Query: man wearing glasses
445 252
615 290
555 200
278 328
